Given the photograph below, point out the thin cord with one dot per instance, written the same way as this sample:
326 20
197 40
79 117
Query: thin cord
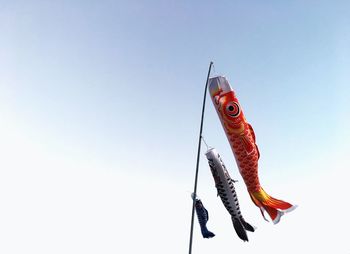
205 143
198 155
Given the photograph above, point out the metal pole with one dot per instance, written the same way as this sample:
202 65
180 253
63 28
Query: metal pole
198 155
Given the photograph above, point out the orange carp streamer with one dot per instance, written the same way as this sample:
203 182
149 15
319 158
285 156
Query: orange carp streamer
242 140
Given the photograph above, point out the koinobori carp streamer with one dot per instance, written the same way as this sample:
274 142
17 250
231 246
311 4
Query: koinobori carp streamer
226 191
242 140
203 217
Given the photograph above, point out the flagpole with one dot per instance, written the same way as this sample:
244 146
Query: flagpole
198 155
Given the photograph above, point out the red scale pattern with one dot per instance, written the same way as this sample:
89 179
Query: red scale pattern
247 163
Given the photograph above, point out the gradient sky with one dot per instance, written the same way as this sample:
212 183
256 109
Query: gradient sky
99 116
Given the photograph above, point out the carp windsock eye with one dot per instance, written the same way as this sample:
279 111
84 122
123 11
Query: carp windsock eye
233 109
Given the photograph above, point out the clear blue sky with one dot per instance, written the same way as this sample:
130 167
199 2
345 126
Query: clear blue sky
99 116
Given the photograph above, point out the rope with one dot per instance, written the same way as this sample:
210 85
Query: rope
198 155
205 143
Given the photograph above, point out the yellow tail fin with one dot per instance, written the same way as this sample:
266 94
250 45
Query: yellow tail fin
274 207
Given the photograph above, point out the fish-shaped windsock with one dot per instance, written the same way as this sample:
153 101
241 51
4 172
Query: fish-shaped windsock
242 140
203 217
227 193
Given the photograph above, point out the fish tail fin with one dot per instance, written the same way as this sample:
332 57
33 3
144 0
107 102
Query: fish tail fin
240 229
206 233
247 226
274 207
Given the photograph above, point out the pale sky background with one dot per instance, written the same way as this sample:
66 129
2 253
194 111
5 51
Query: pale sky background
99 115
